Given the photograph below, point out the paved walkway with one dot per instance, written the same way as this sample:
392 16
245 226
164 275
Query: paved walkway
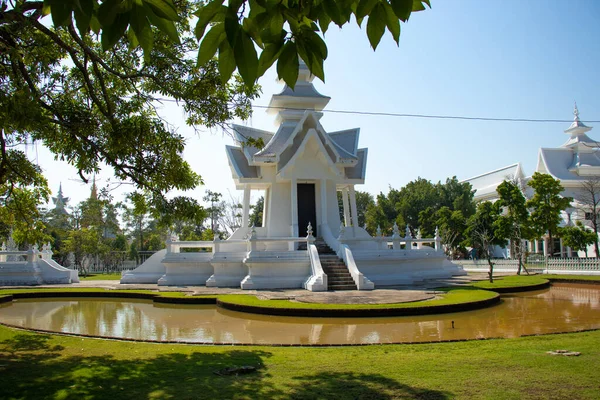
395 294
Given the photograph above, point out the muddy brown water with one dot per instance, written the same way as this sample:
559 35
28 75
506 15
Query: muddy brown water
561 308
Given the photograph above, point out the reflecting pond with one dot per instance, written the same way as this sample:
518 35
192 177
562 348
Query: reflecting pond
561 308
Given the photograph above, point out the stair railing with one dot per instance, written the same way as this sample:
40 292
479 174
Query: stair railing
343 251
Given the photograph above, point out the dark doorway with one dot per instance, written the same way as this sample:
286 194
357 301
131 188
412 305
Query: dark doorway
307 210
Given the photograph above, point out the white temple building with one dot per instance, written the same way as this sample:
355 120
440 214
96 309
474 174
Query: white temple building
302 242
576 161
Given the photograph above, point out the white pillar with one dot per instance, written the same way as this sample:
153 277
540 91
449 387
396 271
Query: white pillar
353 207
246 207
294 199
562 248
323 203
544 247
266 208
347 221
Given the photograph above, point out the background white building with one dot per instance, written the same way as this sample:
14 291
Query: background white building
574 163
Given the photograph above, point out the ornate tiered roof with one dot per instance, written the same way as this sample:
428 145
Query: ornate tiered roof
298 116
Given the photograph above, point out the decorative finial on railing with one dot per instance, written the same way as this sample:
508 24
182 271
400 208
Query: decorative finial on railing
419 233
252 232
49 247
342 231
437 232
395 230
309 230
407 233
36 248
378 232
3 248
44 247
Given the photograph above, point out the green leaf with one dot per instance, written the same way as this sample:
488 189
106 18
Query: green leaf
332 10
226 61
249 26
107 12
246 58
317 44
392 22
113 32
205 16
276 23
164 9
268 57
364 8
142 29
232 27
402 8
211 43
133 41
288 64
312 60
95 25
322 17
61 14
376 25
418 5
164 25
83 15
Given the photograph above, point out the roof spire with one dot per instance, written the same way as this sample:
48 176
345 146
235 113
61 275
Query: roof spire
576 113
94 192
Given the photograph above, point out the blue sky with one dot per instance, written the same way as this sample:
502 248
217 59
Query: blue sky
505 59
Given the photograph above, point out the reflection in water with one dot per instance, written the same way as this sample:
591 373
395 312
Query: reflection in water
562 308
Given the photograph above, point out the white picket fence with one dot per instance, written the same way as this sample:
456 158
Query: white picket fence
571 266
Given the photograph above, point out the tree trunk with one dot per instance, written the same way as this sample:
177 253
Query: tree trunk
491 271
550 245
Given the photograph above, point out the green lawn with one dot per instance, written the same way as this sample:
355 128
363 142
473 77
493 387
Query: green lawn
512 281
452 296
36 366
101 277
589 278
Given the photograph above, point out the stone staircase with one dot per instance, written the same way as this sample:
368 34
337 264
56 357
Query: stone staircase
338 276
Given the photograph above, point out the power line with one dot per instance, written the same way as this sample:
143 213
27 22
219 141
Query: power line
407 115
403 115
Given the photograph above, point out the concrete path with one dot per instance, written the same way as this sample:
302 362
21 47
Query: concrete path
396 294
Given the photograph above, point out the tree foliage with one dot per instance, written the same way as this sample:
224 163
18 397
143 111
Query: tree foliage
284 31
513 223
91 100
578 237
546 206
423 205
482 233
588 204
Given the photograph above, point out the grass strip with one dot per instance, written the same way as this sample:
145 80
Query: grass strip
513 283
101 277
574 278
34 366
453 300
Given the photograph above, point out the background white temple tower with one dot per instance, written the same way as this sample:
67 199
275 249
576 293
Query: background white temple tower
300 167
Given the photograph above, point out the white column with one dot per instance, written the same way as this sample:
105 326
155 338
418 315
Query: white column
294 198
266 208
353 207
323 203
246 207
562 248
347 221
544 246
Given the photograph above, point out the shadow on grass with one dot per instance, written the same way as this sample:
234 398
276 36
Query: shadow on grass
31 368
358 386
